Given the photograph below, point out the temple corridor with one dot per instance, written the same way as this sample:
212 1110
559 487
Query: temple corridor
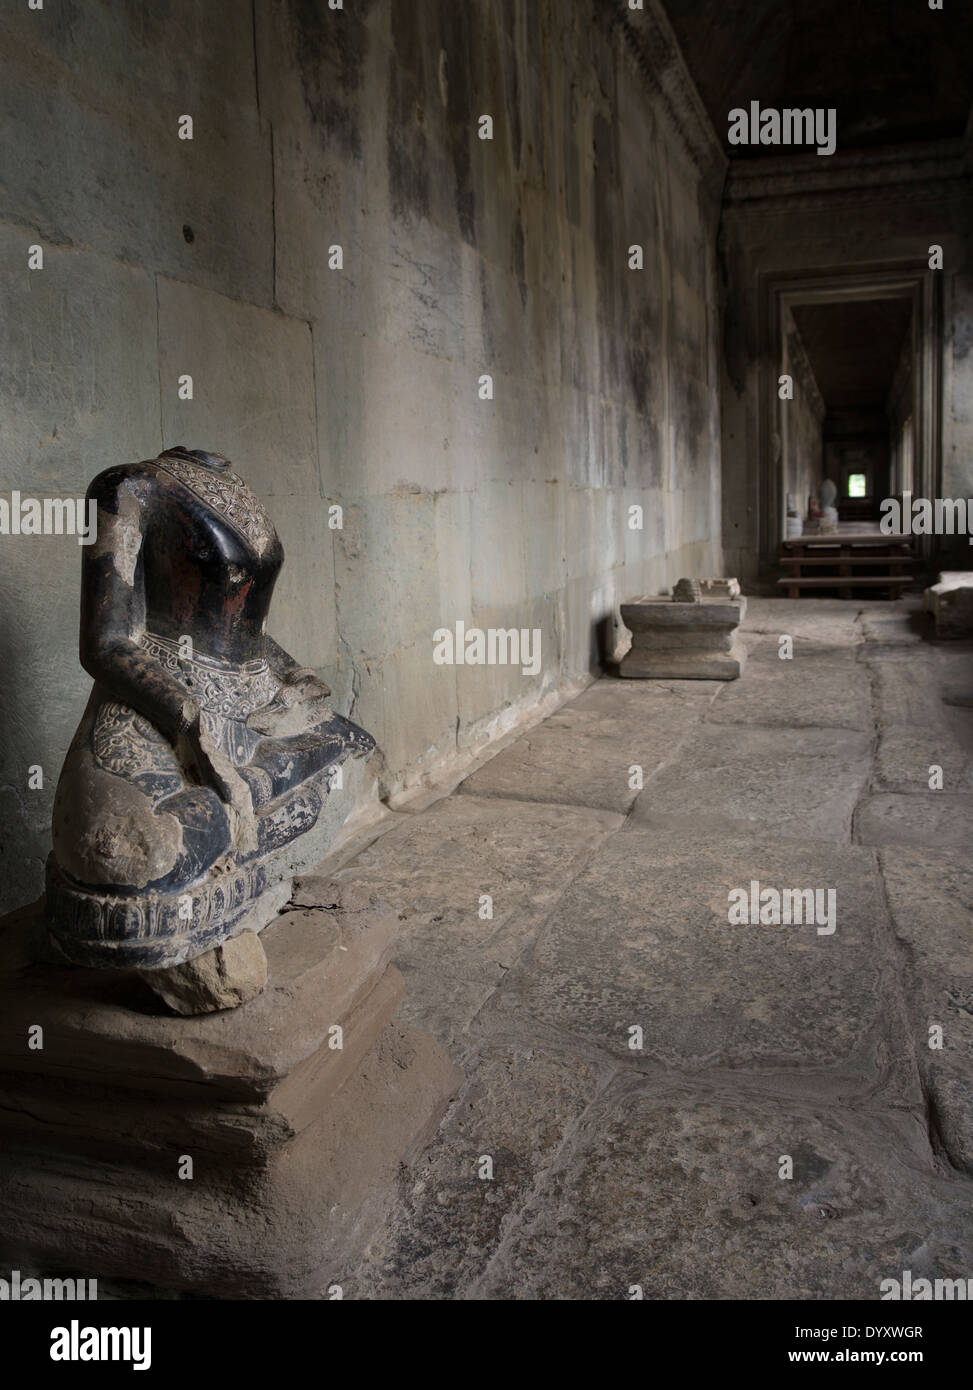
486 660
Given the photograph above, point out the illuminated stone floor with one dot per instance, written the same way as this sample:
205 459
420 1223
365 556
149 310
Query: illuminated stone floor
660 1100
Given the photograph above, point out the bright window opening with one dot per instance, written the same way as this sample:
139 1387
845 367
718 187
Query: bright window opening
856 484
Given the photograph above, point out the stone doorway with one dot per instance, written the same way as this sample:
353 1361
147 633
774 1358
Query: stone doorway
864 352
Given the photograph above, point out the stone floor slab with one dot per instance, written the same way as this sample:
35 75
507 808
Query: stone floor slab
679 1197
584 754
827 620
820 686
921 721
933 818
906 759
930 897
906 690
434 870
516 1112
800 784
617 698
641 939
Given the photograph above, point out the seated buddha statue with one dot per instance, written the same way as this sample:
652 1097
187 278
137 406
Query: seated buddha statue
200 768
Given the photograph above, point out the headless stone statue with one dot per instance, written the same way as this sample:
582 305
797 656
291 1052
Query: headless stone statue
827 493
200 768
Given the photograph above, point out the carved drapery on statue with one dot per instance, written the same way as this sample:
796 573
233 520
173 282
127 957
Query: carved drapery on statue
199 772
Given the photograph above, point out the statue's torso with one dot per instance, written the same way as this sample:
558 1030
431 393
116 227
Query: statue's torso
210 558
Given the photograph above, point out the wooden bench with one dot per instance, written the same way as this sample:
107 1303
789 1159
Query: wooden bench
853 557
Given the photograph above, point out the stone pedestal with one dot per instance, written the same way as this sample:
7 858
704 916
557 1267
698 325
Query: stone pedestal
950 602
249 1153
684 641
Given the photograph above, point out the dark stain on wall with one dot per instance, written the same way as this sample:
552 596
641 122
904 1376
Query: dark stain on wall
571 152
962 338
454 34
640 364
408 154
330 47
735 347
519 259
511 76
487 307
610 246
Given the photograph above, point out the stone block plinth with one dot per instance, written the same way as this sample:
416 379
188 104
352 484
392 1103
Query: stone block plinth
249 1153
684 641
950 601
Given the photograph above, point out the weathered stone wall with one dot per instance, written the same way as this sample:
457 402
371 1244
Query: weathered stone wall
799 423
358 387
900 409
858 214
958 388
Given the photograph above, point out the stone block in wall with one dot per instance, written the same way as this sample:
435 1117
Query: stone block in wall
104 167
387 573
510 327
517 436
252 375
501 533
304 616
393 418
595 524
79 373
415 704
586 608
544 501
486 689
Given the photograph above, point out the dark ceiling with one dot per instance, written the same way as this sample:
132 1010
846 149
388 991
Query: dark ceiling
894 69
854 348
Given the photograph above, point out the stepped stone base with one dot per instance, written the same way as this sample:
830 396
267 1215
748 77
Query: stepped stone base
294 1143
684 641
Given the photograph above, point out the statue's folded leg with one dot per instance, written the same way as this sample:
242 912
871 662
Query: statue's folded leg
279 764
205 834
150 870
142 868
